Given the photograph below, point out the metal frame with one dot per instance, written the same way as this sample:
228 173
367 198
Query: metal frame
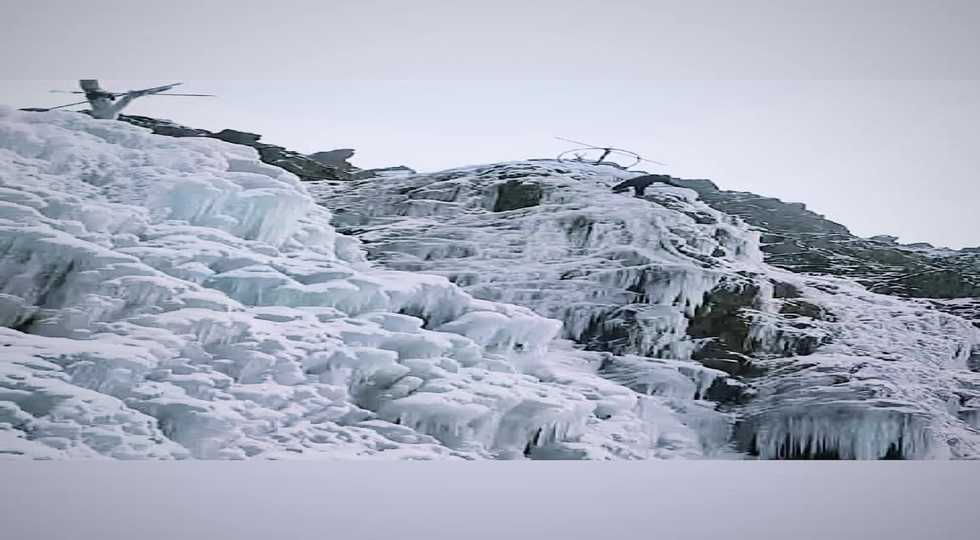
606 152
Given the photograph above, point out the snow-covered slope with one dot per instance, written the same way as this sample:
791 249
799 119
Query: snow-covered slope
832 369
171 298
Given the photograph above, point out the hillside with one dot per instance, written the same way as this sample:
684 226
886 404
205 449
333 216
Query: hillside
821 367
800 240
189 297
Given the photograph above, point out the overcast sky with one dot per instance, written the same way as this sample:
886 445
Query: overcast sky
866 111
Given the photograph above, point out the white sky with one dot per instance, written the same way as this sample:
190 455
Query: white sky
478 85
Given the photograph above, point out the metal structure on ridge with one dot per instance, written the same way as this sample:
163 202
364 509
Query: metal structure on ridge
579 154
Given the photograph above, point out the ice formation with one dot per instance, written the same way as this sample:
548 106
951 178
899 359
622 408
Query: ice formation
177 298
827 369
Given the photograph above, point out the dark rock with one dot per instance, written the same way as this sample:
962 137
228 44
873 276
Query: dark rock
727 391
302 166
398 170
784 290
164 127
514 194
933 284
612 331
720 317
803 241
802 308
712 356
696 184
335 158
885 239
237 137
973 362
339 159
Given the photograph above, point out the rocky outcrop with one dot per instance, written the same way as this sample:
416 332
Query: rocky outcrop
326 165
383 172
305 167
514 194
335 158
340 159
800 240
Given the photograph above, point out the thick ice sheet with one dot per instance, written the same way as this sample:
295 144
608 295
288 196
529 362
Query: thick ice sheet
177 298
837 371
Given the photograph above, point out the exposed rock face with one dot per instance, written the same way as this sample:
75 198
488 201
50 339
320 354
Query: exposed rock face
800 240
302 166
383 172
335 158
326 165
340 159
238 137
514 194
722 328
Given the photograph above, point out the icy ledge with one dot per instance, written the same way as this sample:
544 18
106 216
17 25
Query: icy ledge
174 298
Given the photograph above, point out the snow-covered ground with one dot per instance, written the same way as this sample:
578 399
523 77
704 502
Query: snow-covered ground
173 298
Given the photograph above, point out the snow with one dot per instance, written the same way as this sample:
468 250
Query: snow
857 375
579 256
177 298
890 380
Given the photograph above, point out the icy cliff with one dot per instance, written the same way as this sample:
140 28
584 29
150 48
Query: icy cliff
176 297
166 297
822 367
